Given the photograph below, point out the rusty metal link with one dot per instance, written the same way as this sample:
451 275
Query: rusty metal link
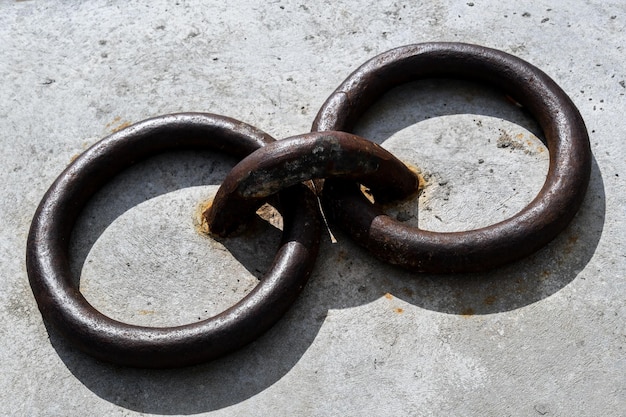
306 157
63 306
479 249
271 167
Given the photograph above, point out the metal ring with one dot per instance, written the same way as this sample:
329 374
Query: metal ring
479 249
64 307
306 157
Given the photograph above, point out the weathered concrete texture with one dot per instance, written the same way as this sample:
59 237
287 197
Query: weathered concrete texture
544 336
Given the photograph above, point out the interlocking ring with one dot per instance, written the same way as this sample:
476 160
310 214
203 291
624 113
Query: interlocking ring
64 307
301 158
474 250
269 167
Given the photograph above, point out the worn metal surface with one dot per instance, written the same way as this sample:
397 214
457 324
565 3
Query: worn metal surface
484 248
67 310
301 158
543 336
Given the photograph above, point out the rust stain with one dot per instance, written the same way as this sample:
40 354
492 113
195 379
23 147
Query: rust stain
409 292
468 312
571 242
418 173
422 183
74 157
146 312
399 310
490 300
120 127
114 121
521 287
116 126
388 296
200 221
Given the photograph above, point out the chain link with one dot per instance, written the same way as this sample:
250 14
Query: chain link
270 167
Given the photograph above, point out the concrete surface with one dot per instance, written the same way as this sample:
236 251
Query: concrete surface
542 337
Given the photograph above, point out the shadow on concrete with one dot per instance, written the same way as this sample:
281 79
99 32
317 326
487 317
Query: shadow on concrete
156 176
506 288
345 276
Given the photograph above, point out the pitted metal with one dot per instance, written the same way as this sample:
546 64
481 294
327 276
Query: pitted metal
301 158
473 250
273 168
64 307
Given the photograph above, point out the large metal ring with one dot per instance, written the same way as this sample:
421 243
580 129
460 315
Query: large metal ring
479 249
64 307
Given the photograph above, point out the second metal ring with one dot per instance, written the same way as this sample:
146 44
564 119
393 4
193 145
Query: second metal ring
479 249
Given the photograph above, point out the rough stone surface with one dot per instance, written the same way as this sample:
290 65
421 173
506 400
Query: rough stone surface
544 336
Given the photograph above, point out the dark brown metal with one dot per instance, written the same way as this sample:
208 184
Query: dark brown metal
305 157
273 166
64 307
480 249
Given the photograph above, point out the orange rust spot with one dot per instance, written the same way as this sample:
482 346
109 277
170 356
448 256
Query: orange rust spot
468 312
421 183
115 120
388 296
116 126
418 173
146 312
399 310
490 300
120 127
521 136
200 222
74 157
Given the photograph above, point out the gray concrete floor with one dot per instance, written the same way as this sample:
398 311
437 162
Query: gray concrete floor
544 336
